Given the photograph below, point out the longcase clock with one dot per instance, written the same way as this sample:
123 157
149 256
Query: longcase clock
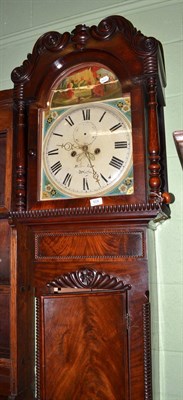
90 175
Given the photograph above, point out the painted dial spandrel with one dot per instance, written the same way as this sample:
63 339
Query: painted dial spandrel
87 152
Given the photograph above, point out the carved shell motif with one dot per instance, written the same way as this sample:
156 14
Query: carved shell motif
87 278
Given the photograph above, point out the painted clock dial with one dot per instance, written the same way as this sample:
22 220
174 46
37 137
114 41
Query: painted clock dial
87 151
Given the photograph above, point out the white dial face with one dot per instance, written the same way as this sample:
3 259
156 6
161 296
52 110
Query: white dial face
87 151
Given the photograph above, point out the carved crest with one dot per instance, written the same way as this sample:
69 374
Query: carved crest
145 47
87 278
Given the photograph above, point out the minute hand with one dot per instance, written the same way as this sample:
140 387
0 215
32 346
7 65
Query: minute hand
91 157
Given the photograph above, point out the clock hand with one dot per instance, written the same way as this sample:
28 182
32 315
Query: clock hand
85 153
91 157
70 146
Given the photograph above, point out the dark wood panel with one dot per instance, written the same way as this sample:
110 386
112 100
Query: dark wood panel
4 251
4 322
84 347
91 244
4 378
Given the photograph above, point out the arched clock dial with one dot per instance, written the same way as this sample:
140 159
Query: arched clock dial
87 151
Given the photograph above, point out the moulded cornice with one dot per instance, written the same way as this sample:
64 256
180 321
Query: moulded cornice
139 212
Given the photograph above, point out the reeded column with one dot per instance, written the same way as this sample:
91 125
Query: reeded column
153 142
20 187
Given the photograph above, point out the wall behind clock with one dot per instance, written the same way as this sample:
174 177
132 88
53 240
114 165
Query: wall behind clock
21 23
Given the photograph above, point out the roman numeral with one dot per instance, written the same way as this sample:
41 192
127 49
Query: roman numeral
86 114
67 180
101 118
56 167
116 162
103 177
85 184
121 145
53 152
57 134
69 120
115 127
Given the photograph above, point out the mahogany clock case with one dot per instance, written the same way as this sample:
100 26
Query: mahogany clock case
74 277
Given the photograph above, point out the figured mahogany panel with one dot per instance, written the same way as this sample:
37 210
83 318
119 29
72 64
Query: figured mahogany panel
4 378
4 322
89 244
4 251
84 347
